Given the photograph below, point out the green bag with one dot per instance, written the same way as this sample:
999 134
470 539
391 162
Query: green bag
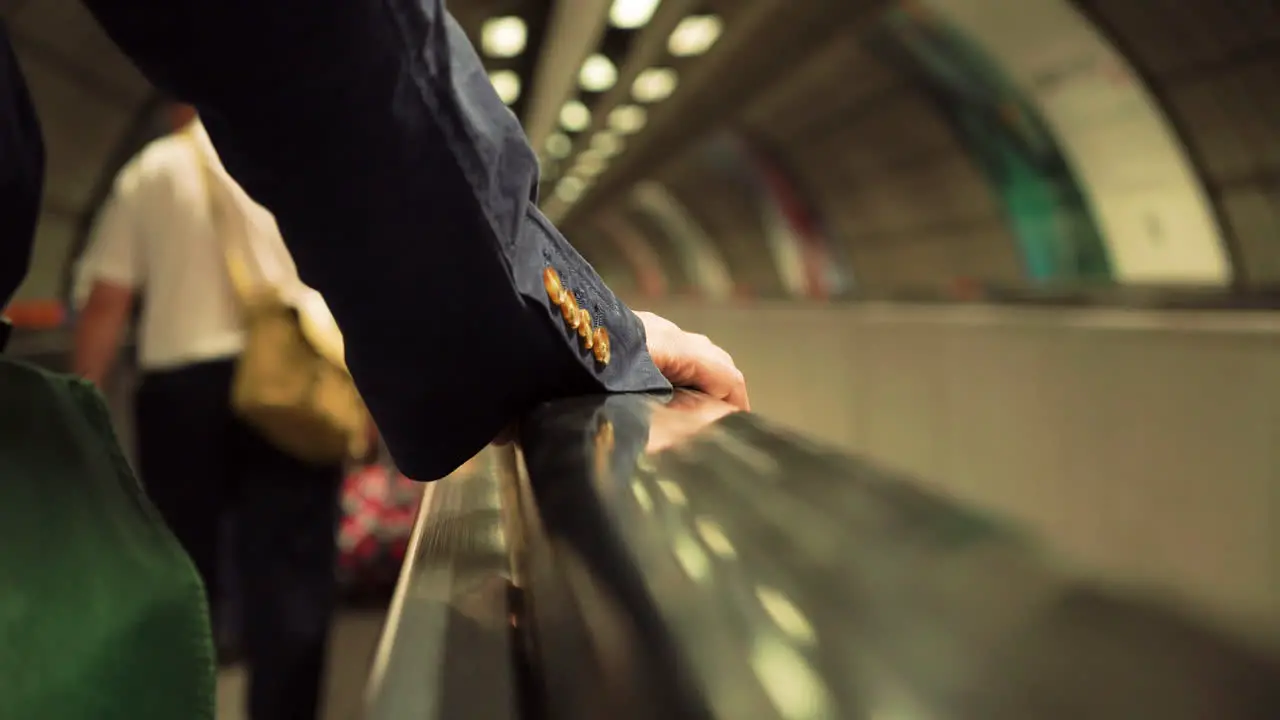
102 615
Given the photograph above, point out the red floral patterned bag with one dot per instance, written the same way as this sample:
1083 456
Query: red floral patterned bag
379 506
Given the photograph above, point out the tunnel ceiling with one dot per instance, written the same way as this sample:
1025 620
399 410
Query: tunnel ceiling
96 110
857 139
901 196
803 90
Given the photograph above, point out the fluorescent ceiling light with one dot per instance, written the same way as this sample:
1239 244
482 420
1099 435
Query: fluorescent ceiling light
559 145
631 14
627 119
694 35
507 85
503 37
606 143
598 74
653 85
570 188
574 116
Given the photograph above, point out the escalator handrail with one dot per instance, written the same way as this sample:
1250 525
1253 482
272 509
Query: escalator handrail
749 572
668 558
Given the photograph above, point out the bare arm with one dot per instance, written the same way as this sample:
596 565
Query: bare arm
111 270
99 329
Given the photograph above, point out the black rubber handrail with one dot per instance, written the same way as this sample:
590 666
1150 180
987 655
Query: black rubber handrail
667 558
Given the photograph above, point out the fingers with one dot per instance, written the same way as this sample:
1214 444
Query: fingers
693 360
717 375
726 383
737 396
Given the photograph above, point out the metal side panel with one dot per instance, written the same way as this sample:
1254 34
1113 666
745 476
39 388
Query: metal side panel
445 651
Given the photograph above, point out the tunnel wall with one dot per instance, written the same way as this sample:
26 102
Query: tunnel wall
1139 189
1143 446
1212 66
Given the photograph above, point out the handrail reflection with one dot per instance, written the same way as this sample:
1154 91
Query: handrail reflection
669 557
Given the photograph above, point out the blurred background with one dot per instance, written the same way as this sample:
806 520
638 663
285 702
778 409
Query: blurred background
813 150
1028 252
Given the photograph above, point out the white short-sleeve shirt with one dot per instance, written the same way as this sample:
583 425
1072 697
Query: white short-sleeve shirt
154 235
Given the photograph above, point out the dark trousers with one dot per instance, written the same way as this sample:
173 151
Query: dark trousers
199 463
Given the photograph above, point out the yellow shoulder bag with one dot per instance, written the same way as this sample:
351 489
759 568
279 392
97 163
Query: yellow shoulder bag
289 384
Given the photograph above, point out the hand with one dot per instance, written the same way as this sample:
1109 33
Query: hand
693 361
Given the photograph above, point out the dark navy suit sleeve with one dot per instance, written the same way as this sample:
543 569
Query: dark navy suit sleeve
21 175
403 187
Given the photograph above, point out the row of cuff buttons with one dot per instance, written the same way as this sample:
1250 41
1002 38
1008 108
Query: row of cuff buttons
578 319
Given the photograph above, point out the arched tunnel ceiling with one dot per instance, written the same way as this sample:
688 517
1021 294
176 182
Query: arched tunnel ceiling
1215 67
904 201
858 140
96 110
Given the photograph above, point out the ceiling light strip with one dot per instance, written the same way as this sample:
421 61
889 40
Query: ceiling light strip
574 31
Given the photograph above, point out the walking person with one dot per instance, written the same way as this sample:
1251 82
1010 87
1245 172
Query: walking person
157 240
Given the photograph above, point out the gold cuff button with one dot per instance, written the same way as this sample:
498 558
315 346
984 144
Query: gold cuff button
551 281
584 327
600 347
569 309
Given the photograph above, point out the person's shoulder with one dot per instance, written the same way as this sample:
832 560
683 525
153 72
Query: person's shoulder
157 162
